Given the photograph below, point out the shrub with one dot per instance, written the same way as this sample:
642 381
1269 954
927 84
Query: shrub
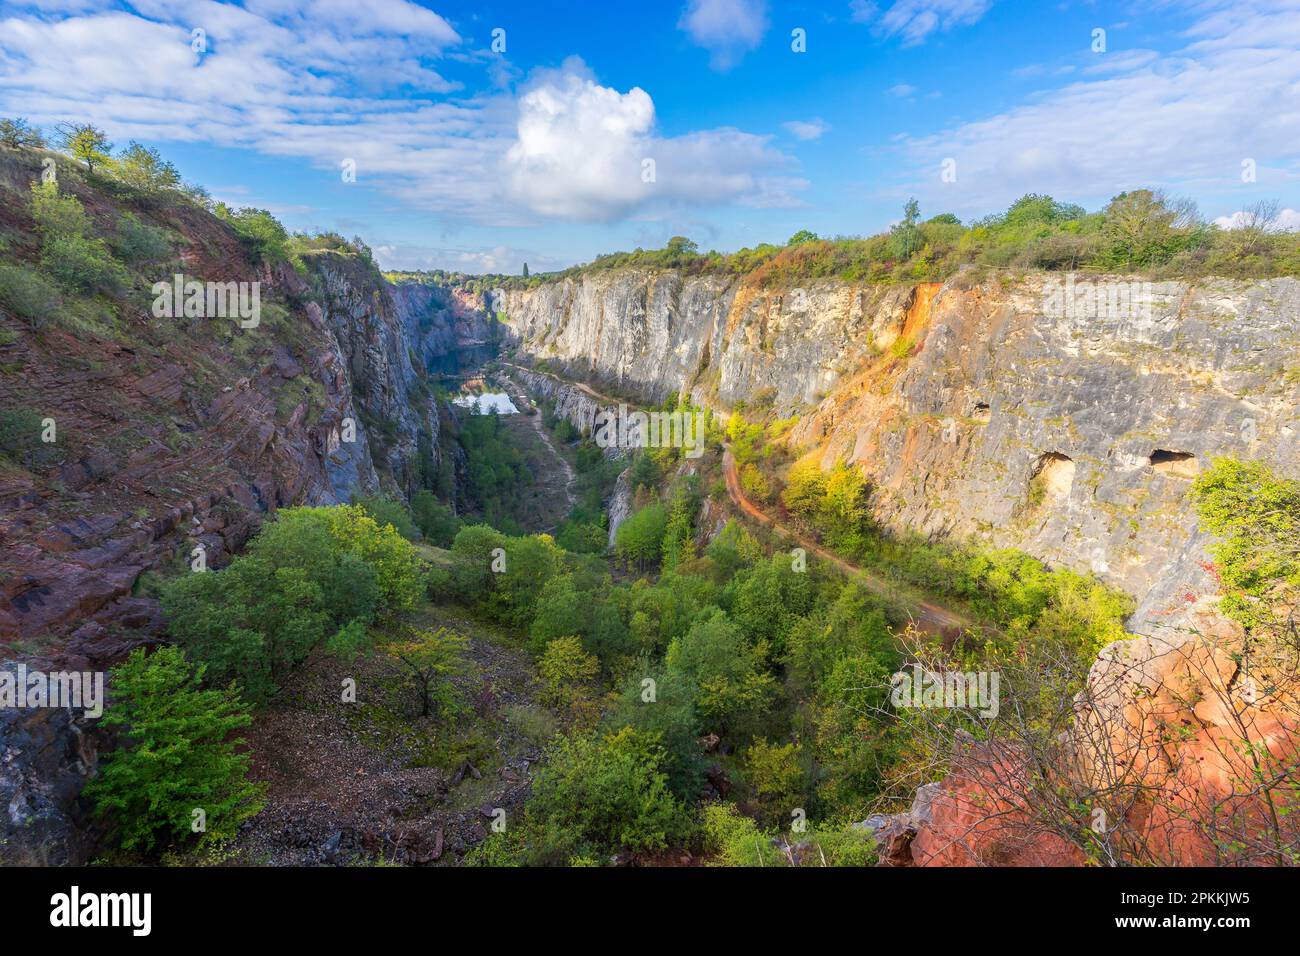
434 519
776 777
20 439
734 691
736 840
389 513
177 754
25 294
140 243
599 795
640 538
568 674
73 258
313 574
260 232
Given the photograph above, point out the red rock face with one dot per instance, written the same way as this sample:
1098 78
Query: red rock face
1169 737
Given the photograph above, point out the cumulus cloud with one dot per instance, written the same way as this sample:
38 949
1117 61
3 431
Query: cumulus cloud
807 129
588 152
902 90
1287 220
728 29
1187 120
915 20
324 81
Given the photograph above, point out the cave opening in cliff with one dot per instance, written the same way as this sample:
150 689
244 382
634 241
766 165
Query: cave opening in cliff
1179 464
982 413
1051 479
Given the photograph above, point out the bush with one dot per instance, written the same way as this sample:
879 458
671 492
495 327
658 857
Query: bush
20 439
260 232
177 755
313 574
389 513
140 243
734 692
568 675
434 519
640 538
73 258
600 795
736 840
776 777
24 293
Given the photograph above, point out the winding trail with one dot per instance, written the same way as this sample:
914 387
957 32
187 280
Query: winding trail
525 402
927 615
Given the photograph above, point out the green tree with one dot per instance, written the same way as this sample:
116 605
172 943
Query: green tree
17 133
1255 513
734 691
597 795
802 236
435 520
568 674
1143 226
144 169
905 237
432 659
776 777
177 754
260 232
75 259
640 538
389 512
85 143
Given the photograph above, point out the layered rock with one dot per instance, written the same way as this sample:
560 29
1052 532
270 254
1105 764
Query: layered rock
173 439
1000 409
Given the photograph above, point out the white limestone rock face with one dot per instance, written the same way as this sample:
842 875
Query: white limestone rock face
1039 412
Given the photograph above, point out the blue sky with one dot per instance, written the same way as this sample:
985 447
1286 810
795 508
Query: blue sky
480 159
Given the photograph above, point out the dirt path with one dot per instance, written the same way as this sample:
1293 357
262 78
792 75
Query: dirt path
520 397
928 616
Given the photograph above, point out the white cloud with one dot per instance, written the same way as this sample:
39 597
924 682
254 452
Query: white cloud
915 20
1186 121
726 28
507 260
587 152
901 90
336 80
807 129
1287 220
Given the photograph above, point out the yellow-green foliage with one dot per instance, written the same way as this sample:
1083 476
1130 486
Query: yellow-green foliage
1256 515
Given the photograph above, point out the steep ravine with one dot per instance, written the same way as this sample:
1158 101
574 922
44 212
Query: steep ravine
1109 414
991 411
182 441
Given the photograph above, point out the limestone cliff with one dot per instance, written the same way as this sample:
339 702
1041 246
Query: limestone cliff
988 409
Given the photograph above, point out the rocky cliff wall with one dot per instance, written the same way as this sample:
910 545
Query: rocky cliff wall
1022 411
175 435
